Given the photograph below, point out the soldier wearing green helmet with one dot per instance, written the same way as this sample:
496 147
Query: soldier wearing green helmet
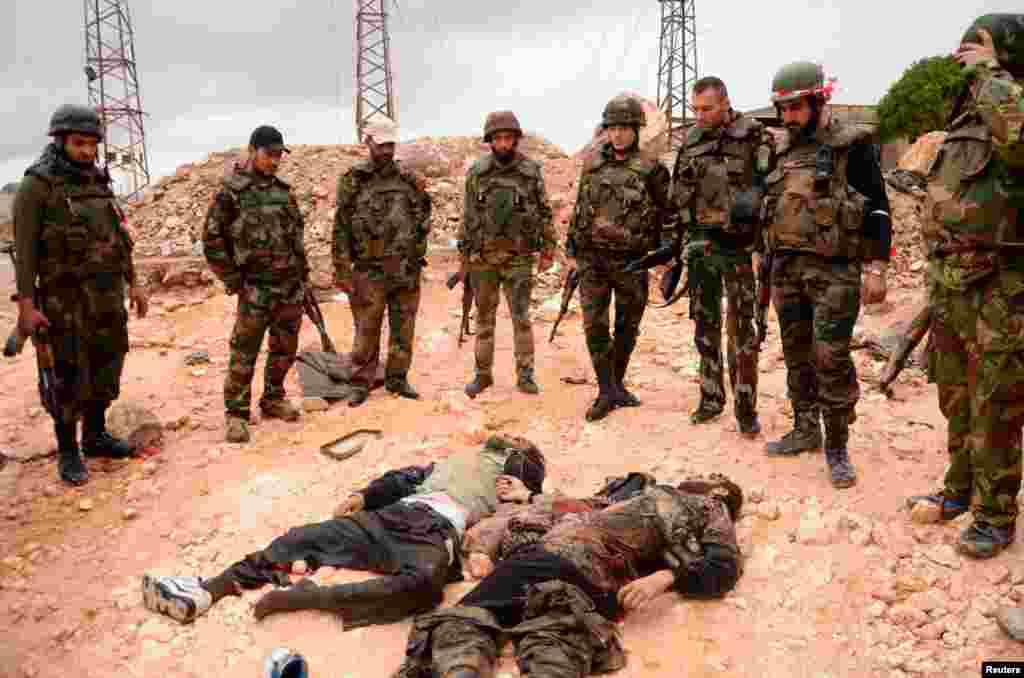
825 214
974 238
623 201
506 223
74 259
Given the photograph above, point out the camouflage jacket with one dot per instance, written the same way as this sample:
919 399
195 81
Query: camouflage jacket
382 220
67 224
712 167
506 214
976 185
254 232
621 205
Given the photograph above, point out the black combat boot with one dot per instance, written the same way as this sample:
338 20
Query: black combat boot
605 401
401 386
526 383
70 464
623 398
96 442
705 412
837 435
805 436
746 416
479 384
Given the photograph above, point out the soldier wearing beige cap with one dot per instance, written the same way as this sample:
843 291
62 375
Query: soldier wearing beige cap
380 240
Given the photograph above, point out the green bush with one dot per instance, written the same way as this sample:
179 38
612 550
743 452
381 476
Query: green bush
920 100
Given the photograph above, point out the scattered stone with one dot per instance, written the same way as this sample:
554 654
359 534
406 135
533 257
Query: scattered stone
199 372
136 424
931 631
768 511
814 530
1011 620
756 495
997 574
197 358
85 505
129 514
928 600
943 554
905 615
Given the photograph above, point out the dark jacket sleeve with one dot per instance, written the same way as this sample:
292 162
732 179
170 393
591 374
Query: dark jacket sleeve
717 568
394 485
866 177
29 205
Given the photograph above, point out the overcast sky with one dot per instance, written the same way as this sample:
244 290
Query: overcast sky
212 70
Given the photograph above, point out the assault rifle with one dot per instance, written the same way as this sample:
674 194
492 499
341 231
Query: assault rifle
466 278
572 281
312 309
908 342
764 295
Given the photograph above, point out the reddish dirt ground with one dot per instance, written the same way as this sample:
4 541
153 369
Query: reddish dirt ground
819 562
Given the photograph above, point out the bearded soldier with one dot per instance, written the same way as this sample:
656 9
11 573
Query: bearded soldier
507 221
975 241
380 239
713 179
71 242
826 212
623 201
253 241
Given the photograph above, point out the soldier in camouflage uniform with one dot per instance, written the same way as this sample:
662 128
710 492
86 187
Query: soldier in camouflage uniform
975 239
507 220
622 203
380 241
712 169
253 240
71 240
578 577
826 212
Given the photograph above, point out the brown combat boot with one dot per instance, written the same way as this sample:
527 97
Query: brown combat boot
236 430
279 409
526 383
805 436
479 384
605 401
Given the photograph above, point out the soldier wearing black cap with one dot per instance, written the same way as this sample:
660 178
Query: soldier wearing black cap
74 258
253 240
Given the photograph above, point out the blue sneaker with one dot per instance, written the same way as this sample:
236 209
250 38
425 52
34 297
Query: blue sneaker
283 663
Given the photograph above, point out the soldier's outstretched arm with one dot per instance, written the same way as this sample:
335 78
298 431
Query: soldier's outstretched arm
216 240
29 206
394 485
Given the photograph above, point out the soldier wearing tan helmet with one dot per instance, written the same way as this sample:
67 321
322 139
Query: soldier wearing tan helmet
507 221
74 261
380 241
622 204
826 214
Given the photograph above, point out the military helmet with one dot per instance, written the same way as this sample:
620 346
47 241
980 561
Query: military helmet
501 121
73 118
1007 31
623 110
799 79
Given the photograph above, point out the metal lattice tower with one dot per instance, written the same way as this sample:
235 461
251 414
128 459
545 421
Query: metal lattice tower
114 90
374 86
677 63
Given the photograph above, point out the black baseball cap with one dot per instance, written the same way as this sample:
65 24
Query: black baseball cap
269 138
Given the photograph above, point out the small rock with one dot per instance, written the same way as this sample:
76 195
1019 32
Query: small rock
1011 620
129 514
814 531
985 605
997 574
51 491
904 615
197 372
756 495
197 358
876 609
931 631
85 505
928 600
943 554
768 511
315 405
860 537
911 584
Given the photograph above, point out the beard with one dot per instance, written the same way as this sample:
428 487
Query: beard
505 157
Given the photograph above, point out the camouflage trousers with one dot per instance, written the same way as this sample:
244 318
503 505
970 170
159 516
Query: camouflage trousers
715 274
517 284
374 293
89 337
601 275
817 302
262 309
976 357
561 636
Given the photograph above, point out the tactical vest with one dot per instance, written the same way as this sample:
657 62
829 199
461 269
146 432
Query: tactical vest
618 211
710 171
968 220
384 223
468 477
266 236
505 209
81 233
811 206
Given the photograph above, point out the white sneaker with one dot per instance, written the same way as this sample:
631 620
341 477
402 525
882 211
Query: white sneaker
178 597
